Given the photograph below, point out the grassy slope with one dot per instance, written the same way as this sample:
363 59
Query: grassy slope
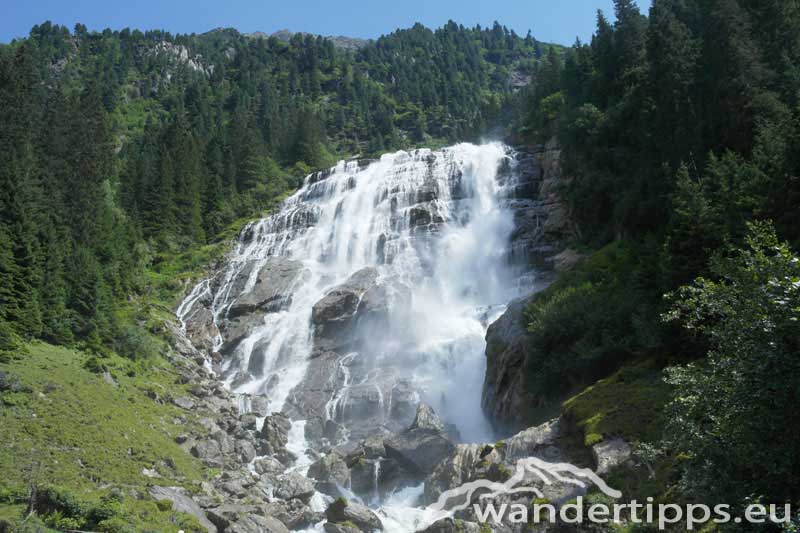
65 427
627 404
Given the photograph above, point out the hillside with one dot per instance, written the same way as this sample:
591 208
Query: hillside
616 286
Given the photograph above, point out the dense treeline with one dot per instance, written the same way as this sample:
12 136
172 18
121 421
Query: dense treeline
680 136
698 101
121 145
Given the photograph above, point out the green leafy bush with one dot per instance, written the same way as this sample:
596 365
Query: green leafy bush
589 322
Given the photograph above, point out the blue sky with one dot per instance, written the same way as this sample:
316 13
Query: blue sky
550 20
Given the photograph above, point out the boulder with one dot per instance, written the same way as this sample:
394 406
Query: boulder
540 441
245 451
268 466
451 525
181 502
209 452
200 327
362 478
344 511
275 433
294 514
184 402
226 443
249 421
294 486
236 483
331 473
334 315
254 523
610 454
422 446
426 418
226 514
467 463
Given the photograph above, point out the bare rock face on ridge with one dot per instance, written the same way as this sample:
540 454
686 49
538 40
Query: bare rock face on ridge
542 229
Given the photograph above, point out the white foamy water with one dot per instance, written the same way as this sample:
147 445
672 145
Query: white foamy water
435 226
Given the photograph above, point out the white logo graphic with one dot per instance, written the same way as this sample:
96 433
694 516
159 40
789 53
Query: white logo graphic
547 472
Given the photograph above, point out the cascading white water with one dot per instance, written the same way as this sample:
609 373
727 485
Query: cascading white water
436 228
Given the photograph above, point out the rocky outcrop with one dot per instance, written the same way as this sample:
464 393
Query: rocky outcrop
176 56
294 514
343 394
505 397
367 431
334 316
227 514
182 502
262 288
427 419
331 473
422 446
542 225
272 288
542 229
225 436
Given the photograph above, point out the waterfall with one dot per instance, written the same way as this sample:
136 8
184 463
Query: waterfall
371 290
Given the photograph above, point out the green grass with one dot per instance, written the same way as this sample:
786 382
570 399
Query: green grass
627 404
67 428
67 431
172 271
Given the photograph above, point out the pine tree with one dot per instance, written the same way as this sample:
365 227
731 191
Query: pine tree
673 54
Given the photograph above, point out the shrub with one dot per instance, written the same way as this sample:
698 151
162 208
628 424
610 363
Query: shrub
589 323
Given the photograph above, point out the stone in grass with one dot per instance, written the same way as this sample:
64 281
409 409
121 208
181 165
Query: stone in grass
609 454
184 402
181 502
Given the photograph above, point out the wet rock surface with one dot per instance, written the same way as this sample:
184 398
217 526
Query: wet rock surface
335 316
272 288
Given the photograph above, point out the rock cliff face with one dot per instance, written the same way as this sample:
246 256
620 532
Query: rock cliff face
542 229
